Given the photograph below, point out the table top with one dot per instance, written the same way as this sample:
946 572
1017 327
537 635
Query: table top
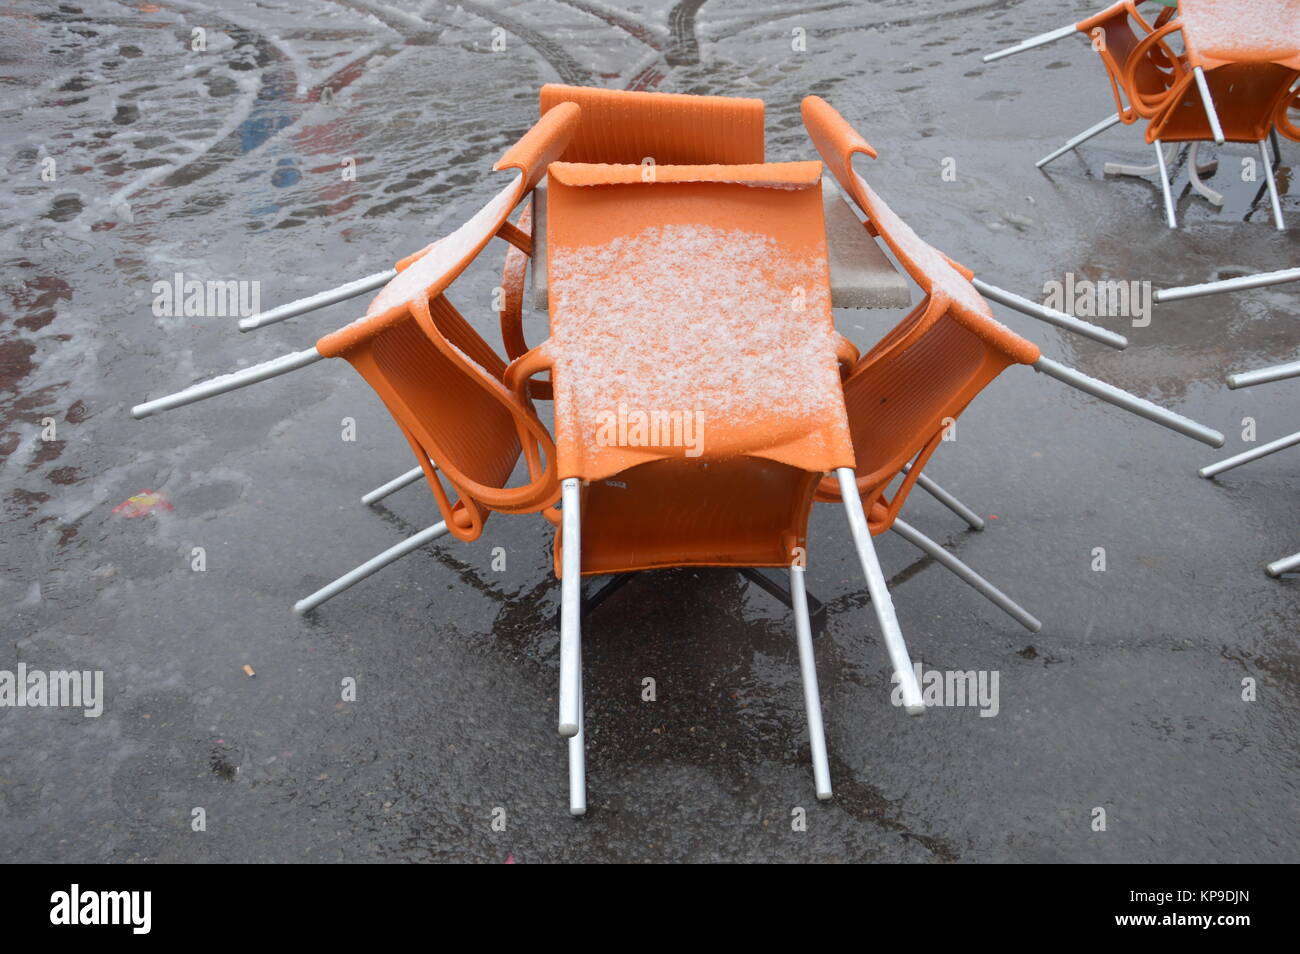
1234 31
861 274
704 305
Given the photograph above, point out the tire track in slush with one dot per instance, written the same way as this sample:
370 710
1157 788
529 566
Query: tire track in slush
275 107
570 71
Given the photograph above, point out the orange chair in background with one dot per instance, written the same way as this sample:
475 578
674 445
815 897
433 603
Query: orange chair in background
1115 34
1252 94
1238 57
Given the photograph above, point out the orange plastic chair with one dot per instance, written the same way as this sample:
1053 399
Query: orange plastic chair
903 394
1115 33
443 384
1141 74
1222 95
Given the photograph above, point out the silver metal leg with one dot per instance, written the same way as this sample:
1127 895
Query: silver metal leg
1080 139
370 567
808 672
1263 450
1040 40
1272 184
1210 112
1228 284
394 485
983 586
570 607
1284 565
881 601
1129 402
975 521
229 382
1194 171
1170 217
318 300
1276 372
578 762
1049 315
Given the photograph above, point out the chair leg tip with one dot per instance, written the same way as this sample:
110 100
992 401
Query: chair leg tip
577 811
916 710
568 729
824 796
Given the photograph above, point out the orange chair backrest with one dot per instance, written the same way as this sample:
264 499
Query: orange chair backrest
906 390
442 384
1247 97
671 128
1144 79
440 380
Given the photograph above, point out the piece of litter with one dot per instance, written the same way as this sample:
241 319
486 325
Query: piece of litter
248 670
145 502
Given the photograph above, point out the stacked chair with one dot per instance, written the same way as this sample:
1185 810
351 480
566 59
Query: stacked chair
798 415
1176 93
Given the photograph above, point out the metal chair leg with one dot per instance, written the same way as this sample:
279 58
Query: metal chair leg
1210 112
974 520
965 573
1257 280
229 382
1284 565
319 300
370 567
1129 402
1050 315
1275 372
1272 447
1170 217
570 608
578 762
808 672
879 590
1272 184
1076 141
394 485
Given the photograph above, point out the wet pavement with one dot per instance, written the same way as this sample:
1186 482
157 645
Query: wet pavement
228 164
